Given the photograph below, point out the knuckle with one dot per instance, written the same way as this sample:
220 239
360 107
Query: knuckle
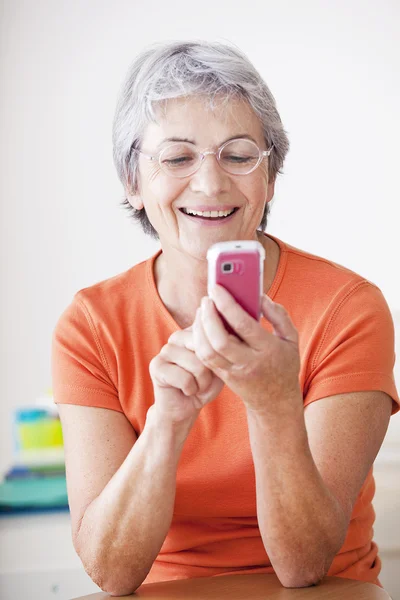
164 350
175 336
244 327
221 344
197 368
154 365
209 355
189 385
204 355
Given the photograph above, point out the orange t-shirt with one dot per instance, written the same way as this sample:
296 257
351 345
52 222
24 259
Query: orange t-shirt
102 347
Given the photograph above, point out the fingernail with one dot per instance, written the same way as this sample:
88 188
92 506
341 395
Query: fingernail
216 290
205 305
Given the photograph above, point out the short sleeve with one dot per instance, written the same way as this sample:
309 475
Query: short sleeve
80 374
356 351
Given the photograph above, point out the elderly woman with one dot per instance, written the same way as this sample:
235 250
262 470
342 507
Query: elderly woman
192 452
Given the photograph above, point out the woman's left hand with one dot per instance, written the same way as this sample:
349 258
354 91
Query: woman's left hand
263 368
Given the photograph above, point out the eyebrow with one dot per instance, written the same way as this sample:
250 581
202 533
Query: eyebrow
234 137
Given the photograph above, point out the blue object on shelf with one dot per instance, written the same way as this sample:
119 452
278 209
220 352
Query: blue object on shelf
28 415
22 472
14 512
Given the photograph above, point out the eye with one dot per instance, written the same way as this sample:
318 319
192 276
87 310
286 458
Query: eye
178 156
237 159
179 160
240 152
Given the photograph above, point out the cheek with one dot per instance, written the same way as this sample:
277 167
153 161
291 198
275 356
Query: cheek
160 190
255 190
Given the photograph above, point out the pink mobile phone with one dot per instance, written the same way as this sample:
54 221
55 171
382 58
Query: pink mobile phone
238 266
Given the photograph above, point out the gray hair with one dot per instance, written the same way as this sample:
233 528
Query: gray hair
179 69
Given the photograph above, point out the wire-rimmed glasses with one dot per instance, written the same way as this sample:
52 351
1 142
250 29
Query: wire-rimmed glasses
182 159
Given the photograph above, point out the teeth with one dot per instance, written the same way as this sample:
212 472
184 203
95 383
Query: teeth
213 214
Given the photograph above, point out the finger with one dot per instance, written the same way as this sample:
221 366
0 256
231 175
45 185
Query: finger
280 319
183 338
212 392
166 374
248 328
188 360
224 344
204 351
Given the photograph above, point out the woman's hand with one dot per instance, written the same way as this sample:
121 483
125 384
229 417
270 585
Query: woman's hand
263 368
182 383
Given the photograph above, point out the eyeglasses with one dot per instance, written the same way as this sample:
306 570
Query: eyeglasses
182 159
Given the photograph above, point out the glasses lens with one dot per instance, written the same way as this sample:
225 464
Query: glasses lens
179 160
239 157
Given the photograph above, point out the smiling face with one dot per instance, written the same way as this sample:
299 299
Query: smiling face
167 199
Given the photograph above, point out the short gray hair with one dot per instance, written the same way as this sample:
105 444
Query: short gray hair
186 68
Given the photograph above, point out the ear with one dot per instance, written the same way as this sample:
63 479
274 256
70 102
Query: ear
133 198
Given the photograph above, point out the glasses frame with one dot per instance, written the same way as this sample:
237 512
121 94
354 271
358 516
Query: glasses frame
203 153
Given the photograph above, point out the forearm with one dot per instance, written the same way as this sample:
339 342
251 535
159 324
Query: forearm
123 529
301 523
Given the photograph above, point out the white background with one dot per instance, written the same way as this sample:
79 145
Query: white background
333 68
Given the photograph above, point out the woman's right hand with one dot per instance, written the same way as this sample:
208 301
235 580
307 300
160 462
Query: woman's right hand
182 384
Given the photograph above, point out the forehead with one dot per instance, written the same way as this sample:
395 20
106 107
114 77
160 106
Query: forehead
194 118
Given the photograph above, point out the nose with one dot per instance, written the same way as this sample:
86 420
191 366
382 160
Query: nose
210 179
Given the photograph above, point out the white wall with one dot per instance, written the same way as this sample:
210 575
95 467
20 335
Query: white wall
333 68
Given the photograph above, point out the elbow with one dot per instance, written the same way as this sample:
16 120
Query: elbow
301 575
108 574
300 568
116 589
114 582
299 580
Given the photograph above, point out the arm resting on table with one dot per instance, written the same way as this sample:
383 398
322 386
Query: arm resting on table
310 466
121 491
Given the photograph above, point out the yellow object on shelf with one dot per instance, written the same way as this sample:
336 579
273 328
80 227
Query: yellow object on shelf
41 433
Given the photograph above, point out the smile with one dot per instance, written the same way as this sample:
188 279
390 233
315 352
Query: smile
209 214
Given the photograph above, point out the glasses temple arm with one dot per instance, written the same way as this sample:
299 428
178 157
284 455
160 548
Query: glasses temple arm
149 156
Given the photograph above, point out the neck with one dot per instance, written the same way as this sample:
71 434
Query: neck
181 279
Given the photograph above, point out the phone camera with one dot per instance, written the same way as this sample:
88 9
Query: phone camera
227 267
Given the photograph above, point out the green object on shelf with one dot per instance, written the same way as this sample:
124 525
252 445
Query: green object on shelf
44 492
